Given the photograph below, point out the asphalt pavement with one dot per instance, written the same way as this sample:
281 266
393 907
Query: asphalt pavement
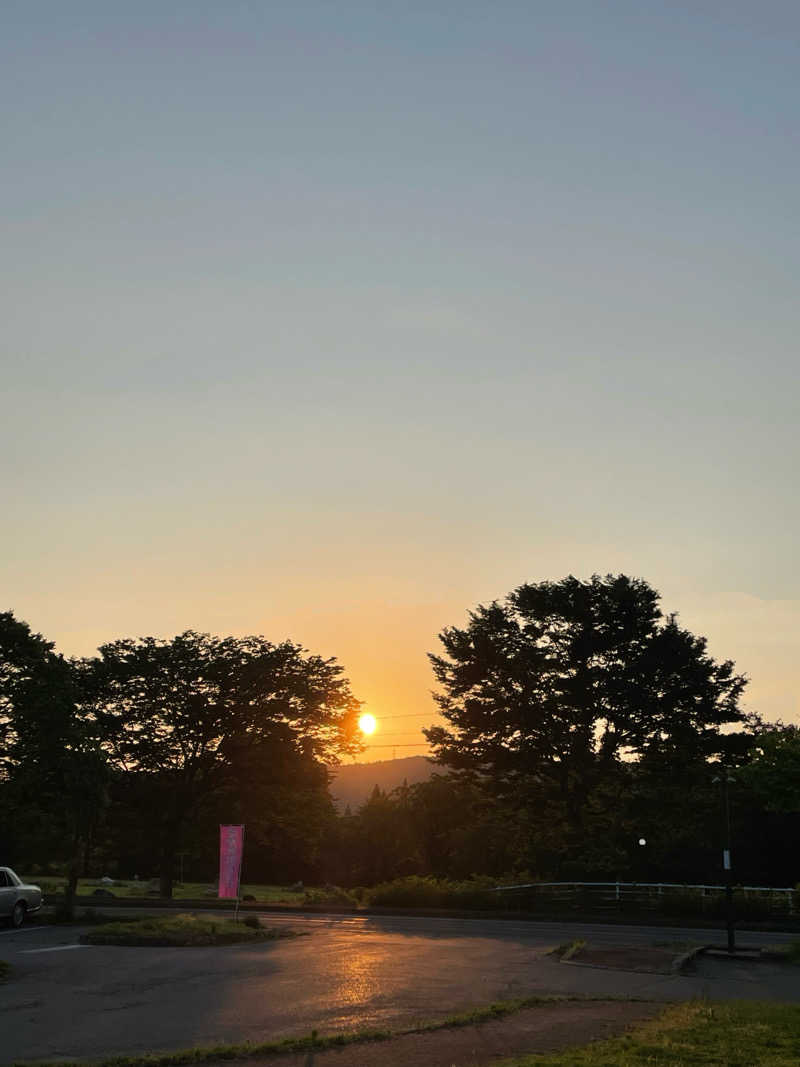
65 1000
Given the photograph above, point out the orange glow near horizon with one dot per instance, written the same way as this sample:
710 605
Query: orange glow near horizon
367 724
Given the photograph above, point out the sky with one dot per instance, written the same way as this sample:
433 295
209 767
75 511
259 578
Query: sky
332 321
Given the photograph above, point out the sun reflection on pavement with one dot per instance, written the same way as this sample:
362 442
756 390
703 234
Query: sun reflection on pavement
358 973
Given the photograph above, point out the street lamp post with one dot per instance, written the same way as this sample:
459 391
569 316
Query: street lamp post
726 779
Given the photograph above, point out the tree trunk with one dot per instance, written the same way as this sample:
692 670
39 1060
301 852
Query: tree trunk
172 830
167 872
73 874
169 848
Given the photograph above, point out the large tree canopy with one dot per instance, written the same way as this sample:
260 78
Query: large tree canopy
32 677
55 774
200 715
563 679
773 774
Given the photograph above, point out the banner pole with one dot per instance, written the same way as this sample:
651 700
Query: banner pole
239 880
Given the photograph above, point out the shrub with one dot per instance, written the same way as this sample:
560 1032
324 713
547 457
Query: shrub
330 895
690 902
179 931
252 921
418 892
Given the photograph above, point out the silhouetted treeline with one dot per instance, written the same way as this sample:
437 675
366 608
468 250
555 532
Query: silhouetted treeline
448 827
455 827
578 721
352 783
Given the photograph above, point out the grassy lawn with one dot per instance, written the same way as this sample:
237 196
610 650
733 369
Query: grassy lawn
181 931
264 894
4 971
698 1034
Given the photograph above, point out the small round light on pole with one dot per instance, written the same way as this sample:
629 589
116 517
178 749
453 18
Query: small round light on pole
642 841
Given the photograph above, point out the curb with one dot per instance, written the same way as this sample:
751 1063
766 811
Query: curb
602 919
682 961
753 953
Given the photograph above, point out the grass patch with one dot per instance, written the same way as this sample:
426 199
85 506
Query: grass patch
568 949
497 1010
5 970
180 931
788 953
332 895
264 894
698 1034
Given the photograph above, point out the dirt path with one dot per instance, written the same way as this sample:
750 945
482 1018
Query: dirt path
543 1028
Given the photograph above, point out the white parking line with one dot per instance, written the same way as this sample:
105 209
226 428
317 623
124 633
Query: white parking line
56 948
25 930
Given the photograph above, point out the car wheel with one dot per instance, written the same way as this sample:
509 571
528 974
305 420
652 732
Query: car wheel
18 915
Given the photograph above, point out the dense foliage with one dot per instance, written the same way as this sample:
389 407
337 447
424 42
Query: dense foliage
199 720
172 737
579 721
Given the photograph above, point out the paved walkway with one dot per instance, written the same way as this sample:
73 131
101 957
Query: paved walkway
545 1028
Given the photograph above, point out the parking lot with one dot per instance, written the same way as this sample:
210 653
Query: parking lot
72 1001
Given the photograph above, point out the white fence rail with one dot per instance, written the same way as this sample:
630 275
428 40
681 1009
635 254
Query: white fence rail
668 897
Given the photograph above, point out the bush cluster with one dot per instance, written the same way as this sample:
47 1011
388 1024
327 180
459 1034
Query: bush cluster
330 895
416 891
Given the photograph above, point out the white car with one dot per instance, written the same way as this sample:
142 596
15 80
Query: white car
17 899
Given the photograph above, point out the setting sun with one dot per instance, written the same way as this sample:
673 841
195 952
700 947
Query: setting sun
367 724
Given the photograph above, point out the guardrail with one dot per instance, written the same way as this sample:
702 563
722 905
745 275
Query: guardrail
666 897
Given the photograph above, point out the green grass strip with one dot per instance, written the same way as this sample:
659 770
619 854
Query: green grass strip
697 1034
5 970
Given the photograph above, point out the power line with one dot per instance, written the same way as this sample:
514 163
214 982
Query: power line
408 733
411 715
421 744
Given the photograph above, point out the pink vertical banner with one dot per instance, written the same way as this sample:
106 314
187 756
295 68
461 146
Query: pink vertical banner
231 846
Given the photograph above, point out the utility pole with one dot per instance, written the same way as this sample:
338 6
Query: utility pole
726 779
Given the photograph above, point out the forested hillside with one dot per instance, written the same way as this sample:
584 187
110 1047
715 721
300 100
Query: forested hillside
353 782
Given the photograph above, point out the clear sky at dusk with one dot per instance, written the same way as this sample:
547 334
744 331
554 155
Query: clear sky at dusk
332 320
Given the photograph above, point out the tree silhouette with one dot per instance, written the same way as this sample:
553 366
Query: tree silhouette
55 772
199 715
546 692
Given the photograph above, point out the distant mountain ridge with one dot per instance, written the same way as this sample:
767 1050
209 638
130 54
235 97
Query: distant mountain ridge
353 782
